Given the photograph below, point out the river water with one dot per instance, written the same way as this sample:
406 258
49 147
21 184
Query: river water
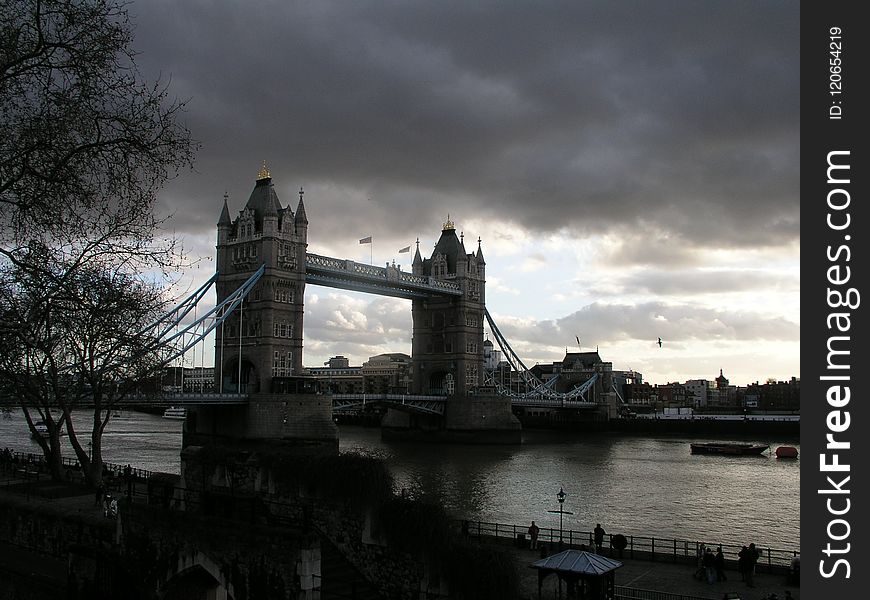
631 484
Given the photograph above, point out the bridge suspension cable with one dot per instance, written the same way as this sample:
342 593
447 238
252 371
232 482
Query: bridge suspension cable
535 388
173 338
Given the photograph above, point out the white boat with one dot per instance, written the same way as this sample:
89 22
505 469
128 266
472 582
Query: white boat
42 430
175 412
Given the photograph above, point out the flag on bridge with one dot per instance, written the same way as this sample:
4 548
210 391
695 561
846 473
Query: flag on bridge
405 249
366 240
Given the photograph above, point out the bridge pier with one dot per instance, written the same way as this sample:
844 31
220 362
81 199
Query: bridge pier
470 419
301 420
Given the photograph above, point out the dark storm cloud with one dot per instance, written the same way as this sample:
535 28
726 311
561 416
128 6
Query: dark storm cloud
679 118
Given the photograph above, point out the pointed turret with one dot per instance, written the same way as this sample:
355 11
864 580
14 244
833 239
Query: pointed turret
480 259
300 222
449 246
224 226
417 265
224 220
263 200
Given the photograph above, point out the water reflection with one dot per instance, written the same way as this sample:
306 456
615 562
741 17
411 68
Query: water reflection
632 485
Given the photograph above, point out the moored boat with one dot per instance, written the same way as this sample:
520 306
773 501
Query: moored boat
42 430
732 448
175 412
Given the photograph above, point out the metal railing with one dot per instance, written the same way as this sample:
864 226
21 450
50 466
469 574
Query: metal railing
627 593
33 465
637 546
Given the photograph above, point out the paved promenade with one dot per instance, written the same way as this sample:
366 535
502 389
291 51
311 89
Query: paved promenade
661 576
669 577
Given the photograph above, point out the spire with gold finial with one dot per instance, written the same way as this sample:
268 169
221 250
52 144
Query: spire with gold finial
264 173
448 224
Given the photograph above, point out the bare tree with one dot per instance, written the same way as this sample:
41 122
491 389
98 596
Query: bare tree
73 339
79 127
85 145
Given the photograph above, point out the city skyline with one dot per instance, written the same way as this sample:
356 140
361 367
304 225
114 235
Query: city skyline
631 169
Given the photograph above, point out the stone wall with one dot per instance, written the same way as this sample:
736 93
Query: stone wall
304 418
150 549
243 483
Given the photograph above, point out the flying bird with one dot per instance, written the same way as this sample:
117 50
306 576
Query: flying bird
660 342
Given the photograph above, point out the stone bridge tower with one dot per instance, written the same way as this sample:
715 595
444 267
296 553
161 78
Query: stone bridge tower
448 353
268 329
258 349
447 346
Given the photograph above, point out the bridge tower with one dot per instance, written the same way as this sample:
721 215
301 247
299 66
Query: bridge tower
258 349
448 350
447 345
268 329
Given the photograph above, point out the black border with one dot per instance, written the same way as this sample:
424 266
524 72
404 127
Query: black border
819 136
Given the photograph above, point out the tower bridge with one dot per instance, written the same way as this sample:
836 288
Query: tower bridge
258 346
263 266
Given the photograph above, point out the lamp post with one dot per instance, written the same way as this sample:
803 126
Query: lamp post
561 498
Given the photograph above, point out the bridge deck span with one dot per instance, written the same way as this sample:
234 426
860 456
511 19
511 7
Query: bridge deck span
389 281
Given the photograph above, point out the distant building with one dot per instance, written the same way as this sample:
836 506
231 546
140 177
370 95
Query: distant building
725 395
673 395
774 395
199 379
387 374
338 377
638 394
699 392
621 379
189 381
491 356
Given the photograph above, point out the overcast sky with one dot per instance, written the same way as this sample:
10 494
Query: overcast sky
631 167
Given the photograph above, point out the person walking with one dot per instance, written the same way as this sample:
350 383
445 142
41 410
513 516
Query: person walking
747 557
128 478
534 530
742 561
720 565
754 555
599 537
699 572
99 493
709 565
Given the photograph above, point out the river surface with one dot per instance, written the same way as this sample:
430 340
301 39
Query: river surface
631 484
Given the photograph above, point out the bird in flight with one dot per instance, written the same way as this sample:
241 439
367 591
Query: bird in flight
660 342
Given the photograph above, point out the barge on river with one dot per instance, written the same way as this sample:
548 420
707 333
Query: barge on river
732 448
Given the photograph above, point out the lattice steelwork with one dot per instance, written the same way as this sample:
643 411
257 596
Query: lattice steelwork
538 393
174 339
386 281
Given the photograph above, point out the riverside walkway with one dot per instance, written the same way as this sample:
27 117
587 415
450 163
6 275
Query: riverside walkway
668 577
641 579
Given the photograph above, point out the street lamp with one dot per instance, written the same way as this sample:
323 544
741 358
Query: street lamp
561 498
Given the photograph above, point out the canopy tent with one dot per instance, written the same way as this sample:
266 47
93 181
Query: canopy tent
591 575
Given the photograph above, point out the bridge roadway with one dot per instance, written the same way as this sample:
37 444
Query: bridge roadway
423 404
428 404
385 281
